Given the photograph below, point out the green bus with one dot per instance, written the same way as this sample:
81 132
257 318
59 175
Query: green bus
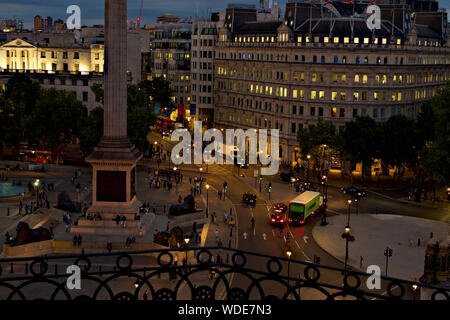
303 207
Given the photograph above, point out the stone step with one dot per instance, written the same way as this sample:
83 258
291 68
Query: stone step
108 223
113 231
112 216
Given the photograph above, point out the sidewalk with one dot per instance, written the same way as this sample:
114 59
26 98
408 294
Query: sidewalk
373 233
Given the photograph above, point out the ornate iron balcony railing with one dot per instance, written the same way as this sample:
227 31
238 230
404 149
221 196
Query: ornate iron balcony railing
154 275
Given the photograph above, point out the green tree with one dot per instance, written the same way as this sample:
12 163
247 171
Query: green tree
19 100
400 142
92 131
139 118
98 91
57 118
361 140
436 154
312 139
157 90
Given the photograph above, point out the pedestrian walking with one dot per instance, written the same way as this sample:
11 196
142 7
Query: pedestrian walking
225 217
216 233
75 240
167 226
79 240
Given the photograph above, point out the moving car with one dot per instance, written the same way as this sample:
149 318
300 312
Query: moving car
353 191
249 198
278 216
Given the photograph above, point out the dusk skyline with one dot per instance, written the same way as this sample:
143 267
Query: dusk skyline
26 10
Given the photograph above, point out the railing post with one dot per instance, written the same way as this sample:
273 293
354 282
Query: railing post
7 212
99 270
26 268
12 267
56 269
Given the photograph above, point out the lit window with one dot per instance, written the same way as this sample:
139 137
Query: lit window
307 39
333 95
343 95
364 78
366 40
336 39
355 96
299 39
314 77
356 78
313 95
321 95
356 40
326 39
399 41
399 97
375 96
343 77
384 41
346 39
393 96
294 93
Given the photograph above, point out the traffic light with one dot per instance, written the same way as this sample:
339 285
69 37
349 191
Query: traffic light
270 185
390 252
260 177
385 252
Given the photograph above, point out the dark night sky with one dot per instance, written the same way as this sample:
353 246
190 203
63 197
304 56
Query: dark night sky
92 10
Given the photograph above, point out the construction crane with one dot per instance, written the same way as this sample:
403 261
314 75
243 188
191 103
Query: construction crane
140 14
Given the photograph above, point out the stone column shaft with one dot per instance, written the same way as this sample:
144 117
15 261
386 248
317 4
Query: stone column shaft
115 102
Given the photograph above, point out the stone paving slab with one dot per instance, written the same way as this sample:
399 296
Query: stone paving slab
373 233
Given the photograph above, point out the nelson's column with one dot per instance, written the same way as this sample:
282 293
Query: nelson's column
114 159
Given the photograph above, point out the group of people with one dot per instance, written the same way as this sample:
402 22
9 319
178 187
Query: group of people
76 175
122 220
196 183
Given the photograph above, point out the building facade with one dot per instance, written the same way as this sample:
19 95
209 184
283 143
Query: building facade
171 57
324 63
204 37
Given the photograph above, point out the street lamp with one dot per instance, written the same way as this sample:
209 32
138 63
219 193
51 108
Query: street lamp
349 204
207 199
347 234
307 168
289 253
357 206
186 242
414 288
201 171
36 185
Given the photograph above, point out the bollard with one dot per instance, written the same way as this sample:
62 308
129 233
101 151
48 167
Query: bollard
12 267
229 243
26 268
228 257
7 212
